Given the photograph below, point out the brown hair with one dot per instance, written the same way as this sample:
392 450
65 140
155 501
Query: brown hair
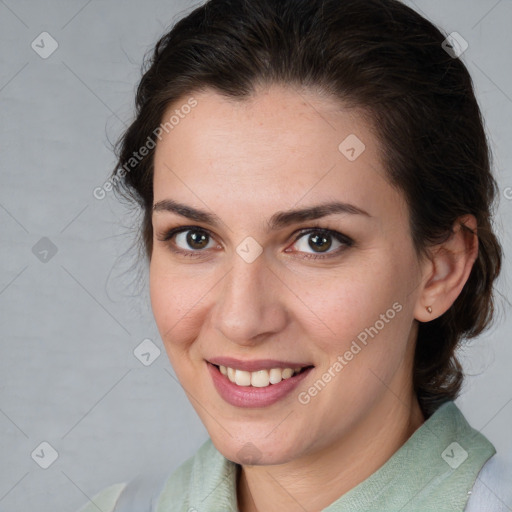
380 56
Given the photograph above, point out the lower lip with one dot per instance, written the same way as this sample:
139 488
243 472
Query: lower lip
250 396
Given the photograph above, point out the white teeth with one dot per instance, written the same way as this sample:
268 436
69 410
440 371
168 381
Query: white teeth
242 378
260 378
276 376
287 373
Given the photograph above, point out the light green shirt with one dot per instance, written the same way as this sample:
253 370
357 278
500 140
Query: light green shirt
433 471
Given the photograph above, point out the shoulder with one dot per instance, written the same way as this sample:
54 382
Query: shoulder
206 475
105 500
492 491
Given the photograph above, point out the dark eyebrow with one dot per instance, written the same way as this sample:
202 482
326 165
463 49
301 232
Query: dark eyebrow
277 221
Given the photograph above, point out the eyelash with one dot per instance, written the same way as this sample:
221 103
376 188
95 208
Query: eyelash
340 237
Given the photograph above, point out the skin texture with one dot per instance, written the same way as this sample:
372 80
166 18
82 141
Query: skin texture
245 161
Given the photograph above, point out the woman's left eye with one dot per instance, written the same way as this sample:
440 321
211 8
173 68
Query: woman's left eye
321 241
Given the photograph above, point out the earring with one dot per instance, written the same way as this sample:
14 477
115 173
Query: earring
429 309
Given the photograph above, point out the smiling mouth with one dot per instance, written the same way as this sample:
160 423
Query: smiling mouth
260 378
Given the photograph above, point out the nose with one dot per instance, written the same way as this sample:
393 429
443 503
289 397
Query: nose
249 303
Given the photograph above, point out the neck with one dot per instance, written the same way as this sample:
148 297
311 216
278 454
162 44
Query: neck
315 481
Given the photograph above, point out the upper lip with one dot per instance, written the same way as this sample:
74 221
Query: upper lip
254 364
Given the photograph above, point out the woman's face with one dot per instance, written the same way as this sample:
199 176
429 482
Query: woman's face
258 287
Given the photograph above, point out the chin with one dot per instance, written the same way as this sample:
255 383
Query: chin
256 451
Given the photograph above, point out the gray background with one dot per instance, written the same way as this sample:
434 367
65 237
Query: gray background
70 323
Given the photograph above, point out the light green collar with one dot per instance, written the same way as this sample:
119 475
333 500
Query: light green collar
433 471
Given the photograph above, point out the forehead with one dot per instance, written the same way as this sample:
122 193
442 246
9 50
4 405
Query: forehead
274 121
282 145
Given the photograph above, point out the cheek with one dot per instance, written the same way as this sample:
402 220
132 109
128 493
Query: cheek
163 300
361 304
173 297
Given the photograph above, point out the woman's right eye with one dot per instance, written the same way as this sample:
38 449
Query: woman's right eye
188 241
192 239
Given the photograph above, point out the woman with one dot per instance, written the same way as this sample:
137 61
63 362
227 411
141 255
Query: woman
316 193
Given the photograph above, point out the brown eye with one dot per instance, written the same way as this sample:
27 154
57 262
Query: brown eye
195 239
320 242
315 242
189 241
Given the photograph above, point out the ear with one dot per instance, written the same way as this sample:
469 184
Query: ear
447 269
